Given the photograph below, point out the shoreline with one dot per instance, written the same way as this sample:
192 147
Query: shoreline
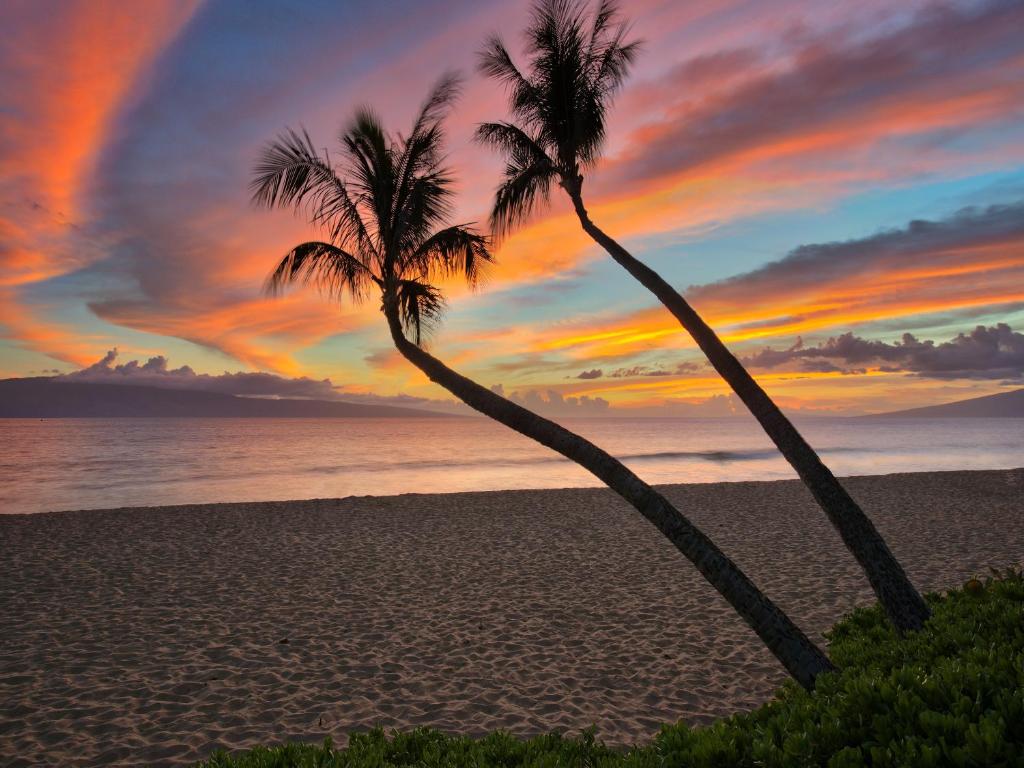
220 505
152 635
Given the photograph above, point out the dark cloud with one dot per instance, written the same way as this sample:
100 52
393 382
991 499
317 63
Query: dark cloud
155 372
553 404
715 406
542 293
645 370
824 366
811 266
638 370
993 352
943 52
528 363
712 70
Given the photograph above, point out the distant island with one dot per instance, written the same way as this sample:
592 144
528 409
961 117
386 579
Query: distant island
51 398
1006 405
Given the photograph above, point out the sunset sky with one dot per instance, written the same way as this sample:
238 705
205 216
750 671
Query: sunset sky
838 187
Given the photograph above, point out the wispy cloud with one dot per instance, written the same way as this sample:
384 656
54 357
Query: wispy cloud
974 258
949 70
66 71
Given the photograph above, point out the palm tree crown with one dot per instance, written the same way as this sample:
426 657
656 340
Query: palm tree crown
382 216
577 61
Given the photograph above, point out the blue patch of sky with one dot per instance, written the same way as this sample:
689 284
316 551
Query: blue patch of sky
341 357
599 286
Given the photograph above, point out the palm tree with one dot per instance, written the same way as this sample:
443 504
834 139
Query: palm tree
577 63
384 232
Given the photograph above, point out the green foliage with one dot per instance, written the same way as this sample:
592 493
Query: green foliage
431 749
950 695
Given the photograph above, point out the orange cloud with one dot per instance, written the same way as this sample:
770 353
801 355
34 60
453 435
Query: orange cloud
67 92
260 332
773 316
61 342
61 98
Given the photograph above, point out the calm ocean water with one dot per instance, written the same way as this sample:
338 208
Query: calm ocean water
96 463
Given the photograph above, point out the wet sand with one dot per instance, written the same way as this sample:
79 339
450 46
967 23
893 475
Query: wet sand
152 636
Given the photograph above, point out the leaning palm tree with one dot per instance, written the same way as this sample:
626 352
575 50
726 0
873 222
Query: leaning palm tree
577 63
383 219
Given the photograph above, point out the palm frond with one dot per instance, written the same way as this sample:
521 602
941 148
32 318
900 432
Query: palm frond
289 169
456 250
610 61
494 61
423 189
291 172
577 62
386 219
420 307
511 139
603 18
523 184
526 98
324 266
425 207
528 174
436 106
371 170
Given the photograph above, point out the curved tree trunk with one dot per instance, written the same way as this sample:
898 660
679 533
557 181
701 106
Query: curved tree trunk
901 601
801 658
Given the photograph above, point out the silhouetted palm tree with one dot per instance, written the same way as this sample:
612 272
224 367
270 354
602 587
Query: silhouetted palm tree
577 62
384 232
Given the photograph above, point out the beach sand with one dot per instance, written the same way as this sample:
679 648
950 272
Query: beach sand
153 636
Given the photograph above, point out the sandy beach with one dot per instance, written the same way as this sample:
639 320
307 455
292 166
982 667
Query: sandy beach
155 635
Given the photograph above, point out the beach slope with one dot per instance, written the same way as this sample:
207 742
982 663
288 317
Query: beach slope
153 636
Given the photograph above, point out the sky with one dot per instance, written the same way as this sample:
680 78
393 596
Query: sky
838 188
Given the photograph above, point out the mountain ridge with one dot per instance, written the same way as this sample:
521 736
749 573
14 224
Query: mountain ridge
49 398
1005 405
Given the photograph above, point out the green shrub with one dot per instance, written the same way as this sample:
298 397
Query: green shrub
950 695
431 749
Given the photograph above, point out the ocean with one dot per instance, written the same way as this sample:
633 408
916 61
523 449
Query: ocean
60 464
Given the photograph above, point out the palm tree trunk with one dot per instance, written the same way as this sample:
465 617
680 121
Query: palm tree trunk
902 603
801 658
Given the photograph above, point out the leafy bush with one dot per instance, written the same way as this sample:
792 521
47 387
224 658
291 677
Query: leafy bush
432 749
950 695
